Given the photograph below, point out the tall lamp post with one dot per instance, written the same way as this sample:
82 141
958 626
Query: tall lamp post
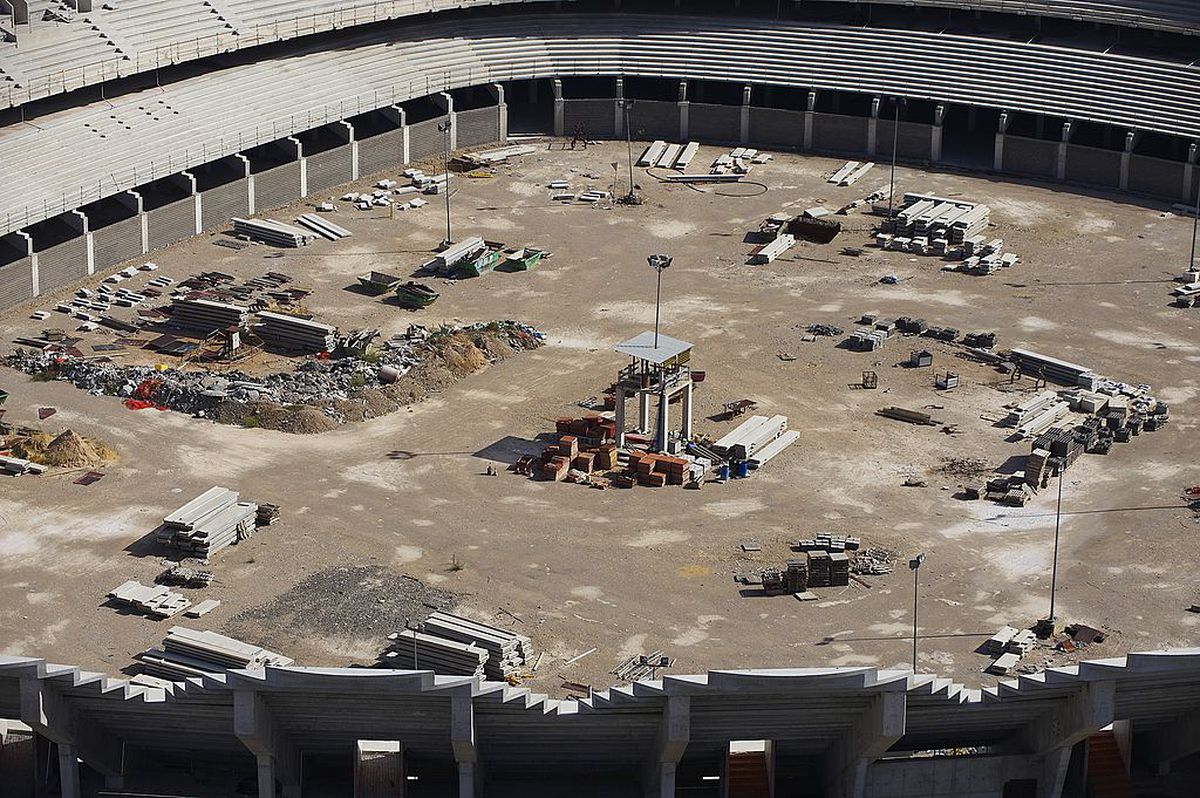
1054 562
895 146
1195 227
915 565
444 129
660 263
626 109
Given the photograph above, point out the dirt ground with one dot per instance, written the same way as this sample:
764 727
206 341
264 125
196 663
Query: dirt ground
628 572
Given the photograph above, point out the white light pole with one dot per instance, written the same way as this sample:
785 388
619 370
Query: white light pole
627 108
660 263
915 564
444 129
1054 562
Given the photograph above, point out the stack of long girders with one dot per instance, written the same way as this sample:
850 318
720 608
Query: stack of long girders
208 523
294 333
206 315
412 649
507 651
187 652
154 600
270 231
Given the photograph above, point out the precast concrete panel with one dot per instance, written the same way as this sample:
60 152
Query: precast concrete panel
710 122
170 223
118 242
1093 166
775 126
839 133
425 140
1156 176
1024 156
16 282
914 143
330 168
596 116
478 126
380 153
62 264
655 119
277 186
220 204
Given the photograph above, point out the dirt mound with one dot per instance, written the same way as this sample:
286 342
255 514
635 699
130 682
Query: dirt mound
68 450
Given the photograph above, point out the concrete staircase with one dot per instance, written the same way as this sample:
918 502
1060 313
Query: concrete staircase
748 775
1106 773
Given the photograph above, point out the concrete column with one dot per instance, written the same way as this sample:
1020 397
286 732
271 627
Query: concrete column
559 107
664 421
402 115
1171 742
139 205
1061 170
303 165
1189 170
1002 129
683 111
89 242
20 11
674 732
33 263
871 735
199 220
620 413
68 770
1131 140
744 134
462 740
502 110
808 120
46 712
83 6
935 143
873 127
686 410
353 148
1082 715
448 103
619 108
246 173
278 759
643 412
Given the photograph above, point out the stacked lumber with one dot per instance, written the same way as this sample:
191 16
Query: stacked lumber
294 333
272 232
507 651
416 650
207 316
187 652
156 601
208 523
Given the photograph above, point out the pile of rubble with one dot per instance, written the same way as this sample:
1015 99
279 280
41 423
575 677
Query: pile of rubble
314 383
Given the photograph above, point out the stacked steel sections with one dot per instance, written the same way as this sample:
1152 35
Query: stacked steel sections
208 523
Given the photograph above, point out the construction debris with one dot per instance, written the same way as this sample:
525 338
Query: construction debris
156 601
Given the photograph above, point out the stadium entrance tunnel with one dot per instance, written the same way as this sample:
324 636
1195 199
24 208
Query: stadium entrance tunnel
969 137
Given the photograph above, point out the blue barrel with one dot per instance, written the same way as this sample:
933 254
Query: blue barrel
723 472
741 469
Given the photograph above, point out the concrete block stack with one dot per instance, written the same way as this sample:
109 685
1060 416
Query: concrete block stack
416 650
295 334
156 601
508 652
208 523
207 316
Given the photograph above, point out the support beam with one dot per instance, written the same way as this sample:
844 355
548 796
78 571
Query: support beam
1080 716
1189 171
462 741
33 260
620 413
874 731
89 241
674 732
619 107
277 757
559 106
808 119
664 421
46 712
684 109
1131 140
405 152
1061 171
1170 743
744 131
502 110
686 410
353 142
246 173
303 164
451 118
935 133
138 204
1002 130
873 127
196 201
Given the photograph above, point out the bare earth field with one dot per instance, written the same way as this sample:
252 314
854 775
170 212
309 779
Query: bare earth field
628 572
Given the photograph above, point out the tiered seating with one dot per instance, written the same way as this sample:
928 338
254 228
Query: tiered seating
232 109
50 55
163 26
1178 15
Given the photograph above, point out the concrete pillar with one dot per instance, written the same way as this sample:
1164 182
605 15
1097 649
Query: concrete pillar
20 10
619 108
871 735
502 110
1061 170
643 412
744 134
684 106
620 413
68 770
674 732
46 712
88 240
83 6
33 259
277 758
1172 742
462 740
353 147
246 173
402 121
998 156
808 120
448 104
873 127
686 410
664 421
935 143
559 106
303 165
1189 170
1131 140
196 201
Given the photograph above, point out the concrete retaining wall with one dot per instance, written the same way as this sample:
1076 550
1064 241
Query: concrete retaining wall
120 241
425 140
380 153
715 123
1155 176
277 186
330 168
1094 166
596 116
915 142
838 133
655 119
1024 156
478 126
171 223
776 126
947 777
16 282
63 264
219 205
